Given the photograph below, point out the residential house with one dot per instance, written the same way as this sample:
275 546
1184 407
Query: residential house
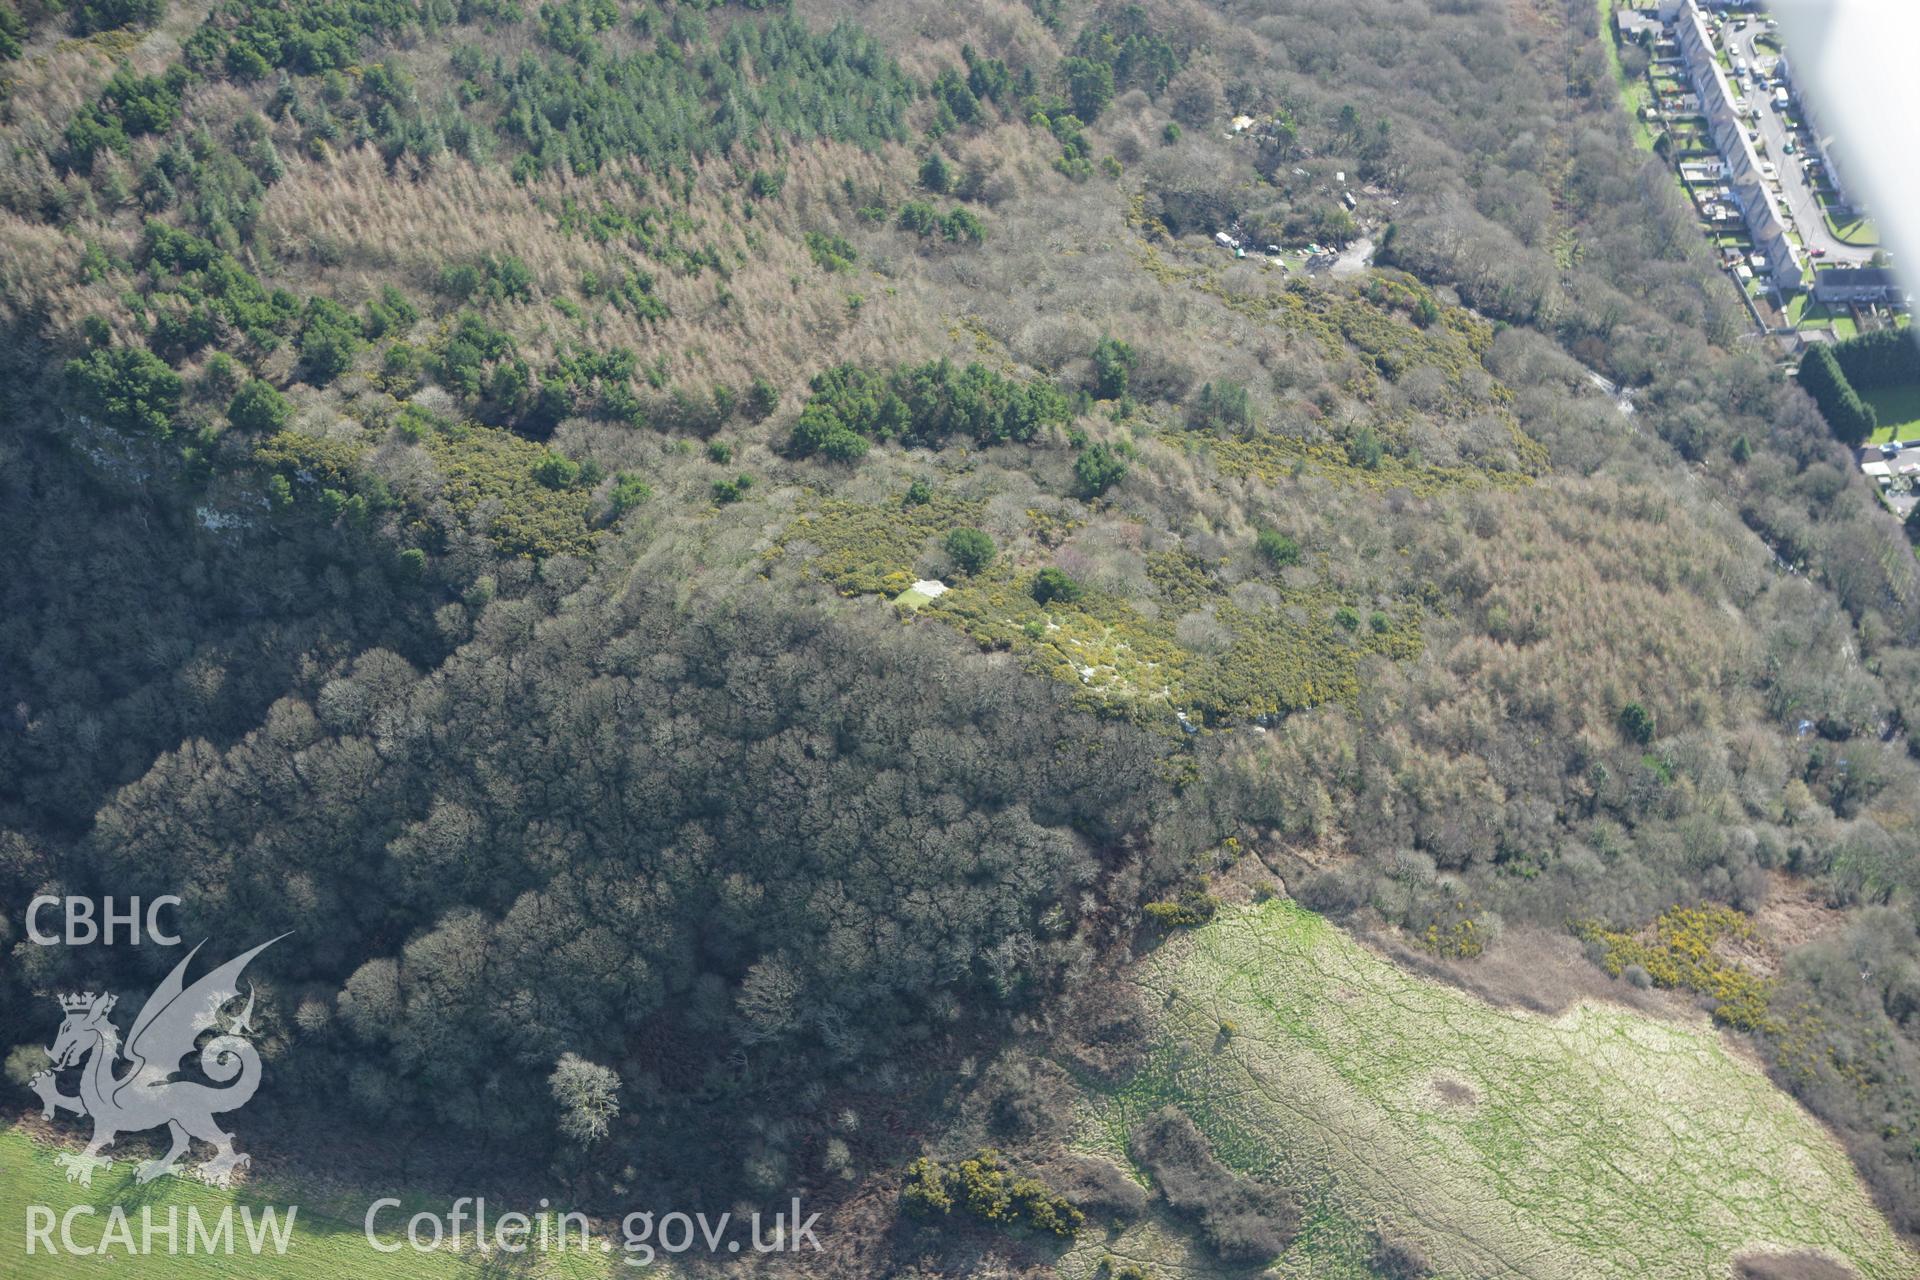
1752 192
1856 284
1643 26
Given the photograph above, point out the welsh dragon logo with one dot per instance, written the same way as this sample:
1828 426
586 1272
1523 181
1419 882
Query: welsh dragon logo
145 1095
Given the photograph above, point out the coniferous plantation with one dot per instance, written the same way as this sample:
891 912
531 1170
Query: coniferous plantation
818 599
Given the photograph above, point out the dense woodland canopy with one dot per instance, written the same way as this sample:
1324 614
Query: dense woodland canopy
751 845
454 460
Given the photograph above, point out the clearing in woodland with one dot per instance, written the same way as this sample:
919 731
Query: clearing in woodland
1501 1143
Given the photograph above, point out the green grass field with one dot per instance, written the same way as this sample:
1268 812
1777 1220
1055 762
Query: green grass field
326 1244
1504 1144
1804 313
1854 229
1898 409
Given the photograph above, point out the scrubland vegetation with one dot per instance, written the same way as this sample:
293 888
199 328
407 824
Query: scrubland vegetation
455 461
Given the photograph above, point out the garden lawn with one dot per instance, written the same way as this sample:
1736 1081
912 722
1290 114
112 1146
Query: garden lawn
1817 315
1898 409
1854 230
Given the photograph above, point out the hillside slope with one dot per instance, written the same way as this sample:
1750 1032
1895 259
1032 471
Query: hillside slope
461 461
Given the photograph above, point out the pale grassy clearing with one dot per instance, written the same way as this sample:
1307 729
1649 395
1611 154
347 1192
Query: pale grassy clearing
1600 1143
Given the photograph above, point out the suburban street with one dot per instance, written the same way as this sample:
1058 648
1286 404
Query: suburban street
1797 193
